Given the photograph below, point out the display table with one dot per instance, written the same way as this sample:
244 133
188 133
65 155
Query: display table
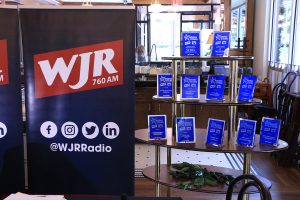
228 147
159 173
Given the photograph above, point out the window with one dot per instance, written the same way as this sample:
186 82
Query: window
285 42
165 35
296 56
158 28
282 31
238 25
142 27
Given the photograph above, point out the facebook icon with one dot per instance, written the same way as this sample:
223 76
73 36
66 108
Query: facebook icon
48 129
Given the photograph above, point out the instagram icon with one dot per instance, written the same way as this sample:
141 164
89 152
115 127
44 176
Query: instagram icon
69 130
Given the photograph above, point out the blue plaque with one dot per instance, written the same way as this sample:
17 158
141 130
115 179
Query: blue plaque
246 132
215 132
269 131
246 89
185 130
215 87
190 44
190 87
157 126
221 44
164 86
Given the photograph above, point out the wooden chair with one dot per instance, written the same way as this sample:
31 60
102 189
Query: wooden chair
280 105
254 181
263 91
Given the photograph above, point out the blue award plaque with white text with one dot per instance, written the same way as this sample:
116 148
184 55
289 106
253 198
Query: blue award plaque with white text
157 126
215 132
246 132
190 87
185 130
269 131
215 88
164 86
221 44
190 44
246 89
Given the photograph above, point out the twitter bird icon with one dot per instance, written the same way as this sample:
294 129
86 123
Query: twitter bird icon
90 130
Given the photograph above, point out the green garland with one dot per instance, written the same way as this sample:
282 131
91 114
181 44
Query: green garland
196 176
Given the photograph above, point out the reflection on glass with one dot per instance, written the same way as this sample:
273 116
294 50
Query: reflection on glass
238 22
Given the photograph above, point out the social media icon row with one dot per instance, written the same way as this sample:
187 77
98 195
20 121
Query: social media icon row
3 130
70 130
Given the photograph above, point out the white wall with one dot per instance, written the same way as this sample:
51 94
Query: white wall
261 37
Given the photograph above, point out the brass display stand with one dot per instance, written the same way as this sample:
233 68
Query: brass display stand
229 145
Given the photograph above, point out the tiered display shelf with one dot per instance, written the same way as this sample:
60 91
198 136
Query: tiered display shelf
159 173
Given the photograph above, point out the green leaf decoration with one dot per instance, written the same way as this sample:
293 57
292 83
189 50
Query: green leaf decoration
209 180
185 185
199 181
195 176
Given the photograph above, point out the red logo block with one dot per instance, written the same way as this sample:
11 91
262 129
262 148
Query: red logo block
3 63
78 69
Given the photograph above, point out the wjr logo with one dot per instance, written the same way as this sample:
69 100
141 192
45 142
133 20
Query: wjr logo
78 69
3 63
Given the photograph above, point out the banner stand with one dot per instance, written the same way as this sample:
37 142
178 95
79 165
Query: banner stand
79 63
11 124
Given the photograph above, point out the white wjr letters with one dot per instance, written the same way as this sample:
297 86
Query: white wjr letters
58 68
102 58
84 71
99 62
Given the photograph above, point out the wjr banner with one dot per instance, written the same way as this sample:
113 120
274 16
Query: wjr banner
79 69
11 125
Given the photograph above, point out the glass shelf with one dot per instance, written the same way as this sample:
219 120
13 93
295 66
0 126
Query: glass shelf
204 58
203 101
167 179
228 147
